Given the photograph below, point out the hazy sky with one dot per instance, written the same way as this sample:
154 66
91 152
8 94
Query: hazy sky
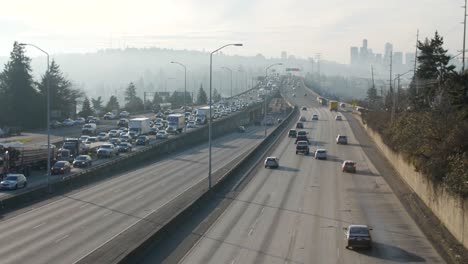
300 27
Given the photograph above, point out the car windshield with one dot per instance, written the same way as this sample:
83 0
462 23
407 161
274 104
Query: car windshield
123 145
106 146
321 151
11 178
142 138
81 158
359 231
59 164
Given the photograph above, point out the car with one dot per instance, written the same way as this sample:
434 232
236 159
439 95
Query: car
302 119
358 236
320 154
159 115
90 140
341 139
153 130
342 105
142 140
304 108
124 114
113 133
68 122
305 94
292 133
191 124
80 121
294 95
315 117
302 147
271 162
89 129
109 116
107 150
299 125
83 161
349 166
115 141
102 136
242 129
338 118
61 167
126 138
301 137
83 138
123 122
161 134
124 147
12 181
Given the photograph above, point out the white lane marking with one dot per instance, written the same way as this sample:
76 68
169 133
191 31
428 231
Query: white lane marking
84 205
256 221
41 224
62 238
108 213
139 197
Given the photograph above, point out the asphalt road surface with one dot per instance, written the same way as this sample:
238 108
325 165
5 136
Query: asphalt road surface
71 227
296 213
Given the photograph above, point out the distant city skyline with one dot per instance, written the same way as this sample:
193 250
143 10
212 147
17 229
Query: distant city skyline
302 28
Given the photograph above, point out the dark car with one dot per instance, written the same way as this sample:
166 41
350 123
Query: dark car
358 236
114 141
142 140
292 133
299 125
301 137
153 130
61 167
242 129
124 147
340 139
82 161
348 166
302 147
122 122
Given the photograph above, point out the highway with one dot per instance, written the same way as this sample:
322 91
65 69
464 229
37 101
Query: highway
69 228
296 213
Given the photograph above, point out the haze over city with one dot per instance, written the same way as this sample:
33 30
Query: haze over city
302 28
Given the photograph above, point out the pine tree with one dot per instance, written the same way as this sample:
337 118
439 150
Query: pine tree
216 96
97 105
202 98
63 98
133 102
20 104
112 104
86 108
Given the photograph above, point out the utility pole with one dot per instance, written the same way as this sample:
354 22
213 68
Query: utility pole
416 61
464 36
318 69
372 73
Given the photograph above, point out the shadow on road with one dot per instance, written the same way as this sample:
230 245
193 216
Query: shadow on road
365 173
284 168
392 253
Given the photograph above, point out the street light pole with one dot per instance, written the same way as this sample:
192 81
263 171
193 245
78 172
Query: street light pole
210 105
230 70
185 89
48 112
265 103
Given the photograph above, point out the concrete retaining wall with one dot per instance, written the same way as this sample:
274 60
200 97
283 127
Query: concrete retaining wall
451 210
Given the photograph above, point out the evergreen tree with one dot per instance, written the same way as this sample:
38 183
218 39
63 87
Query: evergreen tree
63 98
97 105
157 99
20 104
112 104
201 97
86 108
133 102
216 96
372 97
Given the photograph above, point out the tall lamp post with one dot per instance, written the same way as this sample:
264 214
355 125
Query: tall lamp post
265 114
48 112
230 70
209 119
185 89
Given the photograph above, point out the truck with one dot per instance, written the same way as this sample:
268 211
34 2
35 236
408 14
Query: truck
322 101
176 123
139 126
302 147
71 148
333 106
89 129
22 159
202 114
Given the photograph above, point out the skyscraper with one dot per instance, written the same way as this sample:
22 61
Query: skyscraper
409 58
398 58
388 51
354 55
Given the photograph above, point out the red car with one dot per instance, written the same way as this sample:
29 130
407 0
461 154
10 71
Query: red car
61 167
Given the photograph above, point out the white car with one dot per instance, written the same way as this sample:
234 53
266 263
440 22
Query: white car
68 122
315 117
191 124
102 136
161 134
83 138
13 181
124 114
80 121
321 154
114 133
109 115
338 118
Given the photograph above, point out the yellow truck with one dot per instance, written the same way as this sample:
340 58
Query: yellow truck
333 106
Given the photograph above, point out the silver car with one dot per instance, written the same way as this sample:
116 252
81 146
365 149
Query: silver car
271 162
13 181
320 154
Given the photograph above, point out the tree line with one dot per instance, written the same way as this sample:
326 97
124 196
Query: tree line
23 100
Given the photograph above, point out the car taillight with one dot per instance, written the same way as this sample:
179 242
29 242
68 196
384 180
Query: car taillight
61 168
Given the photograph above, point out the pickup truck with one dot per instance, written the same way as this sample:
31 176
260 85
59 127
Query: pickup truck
302 147
107 150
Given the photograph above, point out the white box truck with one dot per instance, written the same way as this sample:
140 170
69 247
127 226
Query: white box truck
202 114
175 123
139 126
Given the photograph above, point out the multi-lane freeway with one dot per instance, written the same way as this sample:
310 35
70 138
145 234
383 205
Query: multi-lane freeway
71 227
296 213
